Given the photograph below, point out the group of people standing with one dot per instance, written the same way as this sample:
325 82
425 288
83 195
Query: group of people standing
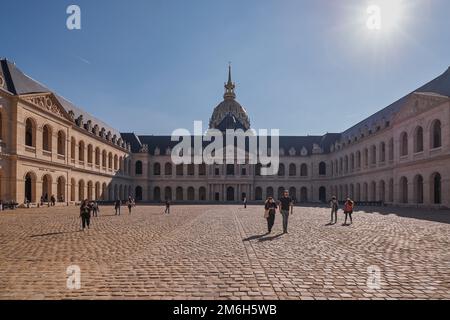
285 206
90 209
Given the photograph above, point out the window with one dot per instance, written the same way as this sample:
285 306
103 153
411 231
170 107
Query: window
230 169
168 169
243 171
90 151
180 170
292 170
138 169
156 169
436 134
81 151
322 169
281 170
202 170
304 170
217 171
418 140
61 143
47 138
404 144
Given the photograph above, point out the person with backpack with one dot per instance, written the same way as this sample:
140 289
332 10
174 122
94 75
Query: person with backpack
85 214
270 208
348 210
334 204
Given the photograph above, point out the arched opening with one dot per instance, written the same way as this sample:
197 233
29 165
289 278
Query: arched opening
73 146
157 194
47 138
304 170
179 194
110 161
104 158
403 190
293 193
382 191
179 170
281 171
382 152
90 154
30 187
202 194
168 193
404 144
46 187
97 156
418 189
191 194
230 194
436 134
81 190
258 193
116 162
303 194
323 194
61 189
138 168
418 139
72 189
157 169
373 191
190 169
138 193
292 170
436 182
97 191
323 167
61 143
202 170
81 151
168 169
269 192
90 187
30 133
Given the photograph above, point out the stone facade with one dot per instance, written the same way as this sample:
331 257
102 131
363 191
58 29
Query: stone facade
399 156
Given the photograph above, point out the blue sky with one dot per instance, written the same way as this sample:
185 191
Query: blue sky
151 66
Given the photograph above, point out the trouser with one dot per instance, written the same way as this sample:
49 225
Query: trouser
129 209
270 221
167 210
118 211
285 214
94 213
348 214
85 221
334 214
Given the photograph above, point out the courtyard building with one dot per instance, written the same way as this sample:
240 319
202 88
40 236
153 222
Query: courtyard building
48 146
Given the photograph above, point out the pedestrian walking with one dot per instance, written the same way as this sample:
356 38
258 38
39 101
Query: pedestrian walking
95 209
117 205
85 214
334 204
167 207
286 208
130 204
270 208
348 210
245 202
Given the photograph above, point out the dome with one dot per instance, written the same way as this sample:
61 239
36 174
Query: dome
229 114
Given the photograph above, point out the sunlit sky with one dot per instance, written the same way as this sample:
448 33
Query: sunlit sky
306 67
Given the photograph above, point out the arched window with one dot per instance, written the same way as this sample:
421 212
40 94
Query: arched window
436 134
404 144
352 162
156 194
110 160
358 159
382 191
30 133
403 190
292 170
190 169
90 152
179 194
323 168
373 155
191 194
346 164
157 169
138 168
81 151
168 169
293 193
202 170
97 156
258 193
47 138
30 187
304 170
61 190
304 194
418 140
73 146
366 157
322 194
179 170
436 183
104 158
382 152
138 193
116 162
418 189
281 171
391 149
61 143
202 194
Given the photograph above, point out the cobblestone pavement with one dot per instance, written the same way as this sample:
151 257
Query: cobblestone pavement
221 252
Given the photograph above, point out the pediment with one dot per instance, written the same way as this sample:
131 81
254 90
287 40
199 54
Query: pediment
418 103
47 102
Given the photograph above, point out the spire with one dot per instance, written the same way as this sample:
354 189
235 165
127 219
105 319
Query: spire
229 86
